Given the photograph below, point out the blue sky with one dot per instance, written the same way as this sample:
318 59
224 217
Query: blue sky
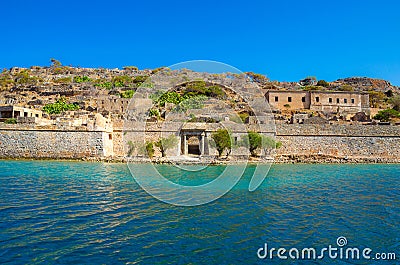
285 40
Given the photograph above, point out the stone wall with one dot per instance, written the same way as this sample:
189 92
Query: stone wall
357 143
55 144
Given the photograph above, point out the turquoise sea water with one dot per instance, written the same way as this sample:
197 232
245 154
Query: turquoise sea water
95 213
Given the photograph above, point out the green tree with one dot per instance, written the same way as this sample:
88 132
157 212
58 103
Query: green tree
166 143
222 139
269 144
387 114
258 78
55 62
255 142
322 83
395 101
376 98
150 149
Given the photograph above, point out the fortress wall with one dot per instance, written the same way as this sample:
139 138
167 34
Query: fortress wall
53 144
371 143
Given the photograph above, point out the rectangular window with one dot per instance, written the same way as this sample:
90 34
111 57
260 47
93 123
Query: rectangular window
345 100
303 99
276 99
352 101
337 101
330 100
289 99
317 99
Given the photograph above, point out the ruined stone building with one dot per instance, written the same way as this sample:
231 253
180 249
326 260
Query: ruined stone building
341 102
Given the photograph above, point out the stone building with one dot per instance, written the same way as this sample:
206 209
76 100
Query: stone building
9 111
342 102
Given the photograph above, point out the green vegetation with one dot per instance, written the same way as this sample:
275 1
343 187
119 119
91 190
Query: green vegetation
322 83
24 78
63 80
55 62
5 79
166 143
313 88
139 147
200 87
387 115
243 116
122 81
389 93
196 102
104 84
59 106
346 88
127 94
256 141
154 113
132 68
259 78
82 79
10 121
222 139
395 101
287 105
150 149
169 97
376 98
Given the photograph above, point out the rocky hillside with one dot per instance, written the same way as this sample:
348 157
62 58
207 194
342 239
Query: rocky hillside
365 84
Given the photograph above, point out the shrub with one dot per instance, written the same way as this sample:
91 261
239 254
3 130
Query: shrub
346 88
322 83
107 85
169 97
287 105
376 98
127 94
59 106
395 101
222 139
132 68
25 79
11 121
387 114
5 79
154 113
81 79
63 80
122 81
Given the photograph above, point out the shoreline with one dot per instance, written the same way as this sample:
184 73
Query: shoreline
291 159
